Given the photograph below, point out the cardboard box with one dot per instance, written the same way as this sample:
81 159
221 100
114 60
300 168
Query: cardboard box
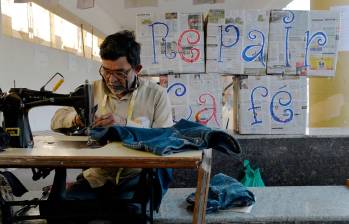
237 41
171 42
196 97
303 43
272 104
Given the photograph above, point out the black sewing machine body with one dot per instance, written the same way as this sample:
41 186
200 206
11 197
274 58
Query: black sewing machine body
16 103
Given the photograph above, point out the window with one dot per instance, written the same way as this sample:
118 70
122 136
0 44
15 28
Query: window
67 35
41 23
31 22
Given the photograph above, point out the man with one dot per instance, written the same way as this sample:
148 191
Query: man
123 99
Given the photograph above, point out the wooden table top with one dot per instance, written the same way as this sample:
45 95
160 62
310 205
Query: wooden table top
72 152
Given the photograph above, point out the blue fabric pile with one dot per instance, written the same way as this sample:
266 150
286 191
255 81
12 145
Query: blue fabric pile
225 192
184 135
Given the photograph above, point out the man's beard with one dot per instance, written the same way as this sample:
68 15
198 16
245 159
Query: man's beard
116 88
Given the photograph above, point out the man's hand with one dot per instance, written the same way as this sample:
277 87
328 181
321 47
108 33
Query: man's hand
78 122
104 120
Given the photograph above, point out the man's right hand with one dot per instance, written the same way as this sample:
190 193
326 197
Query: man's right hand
104 120
78 122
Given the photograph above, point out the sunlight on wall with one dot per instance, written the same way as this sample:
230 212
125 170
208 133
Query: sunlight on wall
298 5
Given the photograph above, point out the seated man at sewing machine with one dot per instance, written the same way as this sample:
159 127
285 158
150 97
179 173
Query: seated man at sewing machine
122 98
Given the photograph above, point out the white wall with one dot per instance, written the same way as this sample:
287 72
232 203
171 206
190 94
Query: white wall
95 16
31 65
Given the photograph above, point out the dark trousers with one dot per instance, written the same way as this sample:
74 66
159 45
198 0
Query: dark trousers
81 189
84 203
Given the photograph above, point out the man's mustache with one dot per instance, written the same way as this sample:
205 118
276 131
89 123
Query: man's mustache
115 84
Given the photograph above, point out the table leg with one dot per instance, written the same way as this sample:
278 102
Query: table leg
204 172
59 185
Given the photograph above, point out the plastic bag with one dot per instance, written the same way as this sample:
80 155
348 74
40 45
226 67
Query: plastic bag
252 177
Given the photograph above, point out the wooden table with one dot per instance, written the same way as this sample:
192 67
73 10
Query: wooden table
72 152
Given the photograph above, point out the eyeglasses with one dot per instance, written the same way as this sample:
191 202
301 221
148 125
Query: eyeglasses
106 73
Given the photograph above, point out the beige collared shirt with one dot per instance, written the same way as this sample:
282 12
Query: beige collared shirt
151 106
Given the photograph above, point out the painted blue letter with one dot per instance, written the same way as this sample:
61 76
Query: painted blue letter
180 91
253 107
254 55
287 20
226 29
286 111
321 42
173 54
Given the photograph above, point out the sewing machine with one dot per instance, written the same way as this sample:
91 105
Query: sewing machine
16 103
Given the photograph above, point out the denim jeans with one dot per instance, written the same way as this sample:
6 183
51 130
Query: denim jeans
225 192
184 135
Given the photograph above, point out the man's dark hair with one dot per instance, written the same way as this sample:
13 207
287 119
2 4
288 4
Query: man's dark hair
121 44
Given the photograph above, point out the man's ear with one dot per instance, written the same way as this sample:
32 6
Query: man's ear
138 69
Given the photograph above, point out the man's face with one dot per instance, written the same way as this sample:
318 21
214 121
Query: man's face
118 75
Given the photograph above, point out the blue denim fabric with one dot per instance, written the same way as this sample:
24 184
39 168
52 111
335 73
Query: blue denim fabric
225 192
163 178
184 135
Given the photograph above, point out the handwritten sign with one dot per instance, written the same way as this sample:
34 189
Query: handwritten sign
272 104
298 43
303 43
196 97
237 41
251 42
171 42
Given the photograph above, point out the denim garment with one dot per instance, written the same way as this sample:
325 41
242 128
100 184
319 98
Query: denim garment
225 192
162 179
184 135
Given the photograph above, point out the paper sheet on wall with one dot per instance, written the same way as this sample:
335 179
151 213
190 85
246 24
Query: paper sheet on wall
291 25
224 60
256 36
344 26
237 41
196 97
322 59
272 104
303 43
171 42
